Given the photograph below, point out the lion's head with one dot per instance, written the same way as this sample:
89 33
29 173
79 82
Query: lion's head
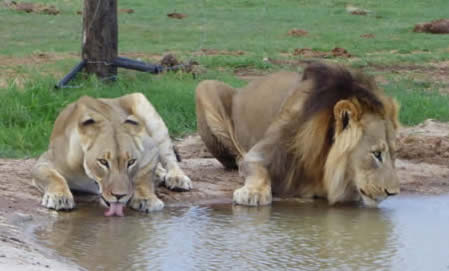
113 152
347 135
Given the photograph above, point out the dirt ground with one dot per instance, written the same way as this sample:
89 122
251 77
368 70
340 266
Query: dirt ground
440 26
422 167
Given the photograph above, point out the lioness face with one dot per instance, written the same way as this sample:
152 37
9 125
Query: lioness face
111 157
113 166
371 164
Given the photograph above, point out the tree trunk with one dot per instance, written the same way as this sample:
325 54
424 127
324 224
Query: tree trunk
100 37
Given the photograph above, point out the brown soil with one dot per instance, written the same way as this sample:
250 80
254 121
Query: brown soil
169 60
126 10
297 32
248 74
340 52
216 52
121 10
440 26
176 15
368 36
307 52
425 143
9 64
32 7
34 59
357 11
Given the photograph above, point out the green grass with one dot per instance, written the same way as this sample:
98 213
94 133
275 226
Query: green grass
28 116
259 28
419 101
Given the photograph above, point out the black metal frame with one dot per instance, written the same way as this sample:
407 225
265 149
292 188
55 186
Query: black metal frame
120 62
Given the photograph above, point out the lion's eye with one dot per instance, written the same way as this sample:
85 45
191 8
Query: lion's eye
104 162
378 155
131 162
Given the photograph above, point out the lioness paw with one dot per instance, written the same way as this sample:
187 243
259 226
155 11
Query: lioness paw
146 205
176 179
252 196
58 201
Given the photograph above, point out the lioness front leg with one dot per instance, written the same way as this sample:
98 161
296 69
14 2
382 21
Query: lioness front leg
138 104
56 191
144 198
257 188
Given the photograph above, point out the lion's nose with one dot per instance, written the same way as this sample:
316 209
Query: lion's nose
390 193
118 196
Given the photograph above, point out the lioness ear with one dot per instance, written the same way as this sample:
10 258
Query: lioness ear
86 120
132 120
345 112
132 124
87 117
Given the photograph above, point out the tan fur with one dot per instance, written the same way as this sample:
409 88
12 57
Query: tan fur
314 134
113 147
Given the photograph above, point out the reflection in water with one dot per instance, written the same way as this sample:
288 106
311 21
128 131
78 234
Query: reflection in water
287 235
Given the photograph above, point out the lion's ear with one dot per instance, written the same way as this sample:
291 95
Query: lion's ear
346 112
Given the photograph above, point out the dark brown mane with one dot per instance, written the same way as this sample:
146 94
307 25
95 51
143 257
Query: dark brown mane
309 136
334 83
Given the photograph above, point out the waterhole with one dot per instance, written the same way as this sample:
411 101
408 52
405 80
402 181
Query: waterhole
404 233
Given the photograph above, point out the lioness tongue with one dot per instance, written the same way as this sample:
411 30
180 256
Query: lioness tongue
115 208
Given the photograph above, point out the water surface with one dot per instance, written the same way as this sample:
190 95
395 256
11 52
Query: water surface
405 233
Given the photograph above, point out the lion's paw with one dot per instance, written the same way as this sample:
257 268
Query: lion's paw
146 205
176 179
160 172
58 201
252 197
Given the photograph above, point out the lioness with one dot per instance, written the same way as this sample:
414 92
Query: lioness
111 147
327 133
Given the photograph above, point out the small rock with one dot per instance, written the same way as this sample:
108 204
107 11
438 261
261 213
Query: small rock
357 11
297 32
176 15
126 10
368 36
340 52
169 60
440 26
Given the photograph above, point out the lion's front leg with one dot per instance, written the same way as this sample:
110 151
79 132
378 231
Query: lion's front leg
257 188
144 198
57 193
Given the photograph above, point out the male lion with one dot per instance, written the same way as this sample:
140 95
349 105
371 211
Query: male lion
111 147
329 133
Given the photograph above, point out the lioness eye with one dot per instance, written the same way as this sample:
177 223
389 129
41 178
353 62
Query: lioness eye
131 162
378 155
104 162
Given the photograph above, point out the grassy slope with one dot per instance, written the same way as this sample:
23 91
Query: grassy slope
257 27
